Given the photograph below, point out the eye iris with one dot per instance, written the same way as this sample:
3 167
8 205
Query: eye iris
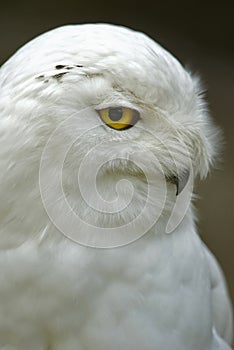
115 114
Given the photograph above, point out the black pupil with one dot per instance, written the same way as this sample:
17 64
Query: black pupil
115 114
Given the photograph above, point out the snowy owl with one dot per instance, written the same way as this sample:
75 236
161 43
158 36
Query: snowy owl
102 133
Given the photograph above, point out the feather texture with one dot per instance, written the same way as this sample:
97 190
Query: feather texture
161 291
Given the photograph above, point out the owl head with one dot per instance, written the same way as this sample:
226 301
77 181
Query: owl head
98 122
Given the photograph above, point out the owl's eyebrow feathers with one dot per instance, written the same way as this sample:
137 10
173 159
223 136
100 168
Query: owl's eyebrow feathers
64 70
68 67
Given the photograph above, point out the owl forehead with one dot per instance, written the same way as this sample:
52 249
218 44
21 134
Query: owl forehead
129 59
96 48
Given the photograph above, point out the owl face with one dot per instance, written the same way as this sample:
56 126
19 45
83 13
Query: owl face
111 115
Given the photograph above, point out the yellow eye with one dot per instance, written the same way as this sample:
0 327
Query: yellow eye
119 118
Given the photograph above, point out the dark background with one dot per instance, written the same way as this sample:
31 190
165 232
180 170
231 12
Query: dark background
198 33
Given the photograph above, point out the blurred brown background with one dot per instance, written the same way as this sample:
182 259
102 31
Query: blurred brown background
201 35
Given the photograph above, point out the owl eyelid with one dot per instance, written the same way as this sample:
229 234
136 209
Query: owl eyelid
133 108
138 113
126 119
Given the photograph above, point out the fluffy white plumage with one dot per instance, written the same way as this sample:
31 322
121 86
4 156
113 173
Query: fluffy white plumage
163 291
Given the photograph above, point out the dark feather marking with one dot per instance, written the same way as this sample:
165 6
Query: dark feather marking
60 66
40 77
59 75
63 66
